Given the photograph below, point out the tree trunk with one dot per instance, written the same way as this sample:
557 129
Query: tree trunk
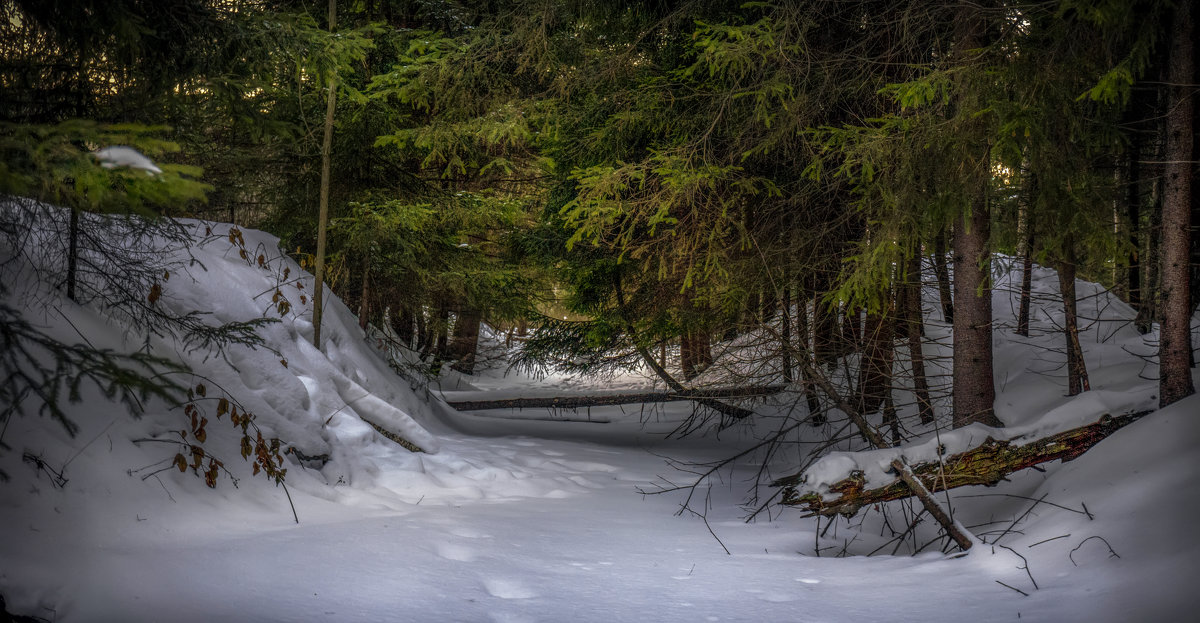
852 330
465 343
915 317
805 361
943 276
1133 212
1027 215
323 216
770 303
974 388
1077 377
785 331
72 253
875 368
695 353
364 292
402 323
1175 344
824 327
423 335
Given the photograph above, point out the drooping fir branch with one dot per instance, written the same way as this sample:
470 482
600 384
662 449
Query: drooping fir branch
40 373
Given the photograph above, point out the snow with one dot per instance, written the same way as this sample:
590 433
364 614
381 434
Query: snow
533 520
121 156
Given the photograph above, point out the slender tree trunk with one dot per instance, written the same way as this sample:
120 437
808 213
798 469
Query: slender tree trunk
72 253
786 335
423 334
824 327
1175 344
695 353
364 298
915 321
1077 377
1028 213
852 329
770 303
323 217
805 360
875 369
439 343
402 323
1133 213
942 271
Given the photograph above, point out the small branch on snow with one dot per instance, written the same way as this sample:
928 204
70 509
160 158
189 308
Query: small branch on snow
1111 552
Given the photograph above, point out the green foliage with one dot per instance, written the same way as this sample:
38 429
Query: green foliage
54 163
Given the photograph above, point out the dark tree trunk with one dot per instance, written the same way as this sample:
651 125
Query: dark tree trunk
695 353
1077 377
1031 192
1133 213
1175 344
435 337
943 276
364 307
753 309
805 359
875 369
785 330
852 331
423 334
464 344
974 388
402 324
770 305
72 253
914 315
824 327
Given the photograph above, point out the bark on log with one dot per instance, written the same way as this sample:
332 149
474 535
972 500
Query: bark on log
986 464
575 402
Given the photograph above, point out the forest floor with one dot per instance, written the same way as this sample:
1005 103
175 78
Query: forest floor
513 518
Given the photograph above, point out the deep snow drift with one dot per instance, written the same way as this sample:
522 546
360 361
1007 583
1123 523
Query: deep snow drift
505 519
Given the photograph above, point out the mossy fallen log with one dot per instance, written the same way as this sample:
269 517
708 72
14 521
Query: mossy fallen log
577 402
986 464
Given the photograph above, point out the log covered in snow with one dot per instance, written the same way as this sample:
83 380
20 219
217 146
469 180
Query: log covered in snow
576 402
986 464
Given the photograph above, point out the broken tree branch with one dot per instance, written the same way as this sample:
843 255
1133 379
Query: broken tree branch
913 485
734 412
986 464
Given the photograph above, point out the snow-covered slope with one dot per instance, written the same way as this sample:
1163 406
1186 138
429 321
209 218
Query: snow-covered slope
505 520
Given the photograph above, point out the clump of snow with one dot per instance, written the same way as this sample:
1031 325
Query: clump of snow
120 156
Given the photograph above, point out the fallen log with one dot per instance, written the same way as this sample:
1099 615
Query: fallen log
986 464
576 402
406 444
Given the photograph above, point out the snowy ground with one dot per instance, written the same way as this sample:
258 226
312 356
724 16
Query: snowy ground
520 520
